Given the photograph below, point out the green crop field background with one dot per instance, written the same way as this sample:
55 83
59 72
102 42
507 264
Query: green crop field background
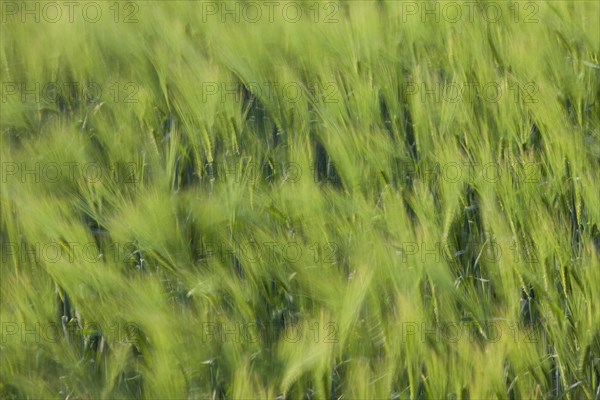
300 200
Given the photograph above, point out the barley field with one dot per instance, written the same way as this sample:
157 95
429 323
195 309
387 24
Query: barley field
300 199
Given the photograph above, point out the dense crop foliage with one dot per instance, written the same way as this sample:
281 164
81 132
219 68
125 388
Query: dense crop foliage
359 199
